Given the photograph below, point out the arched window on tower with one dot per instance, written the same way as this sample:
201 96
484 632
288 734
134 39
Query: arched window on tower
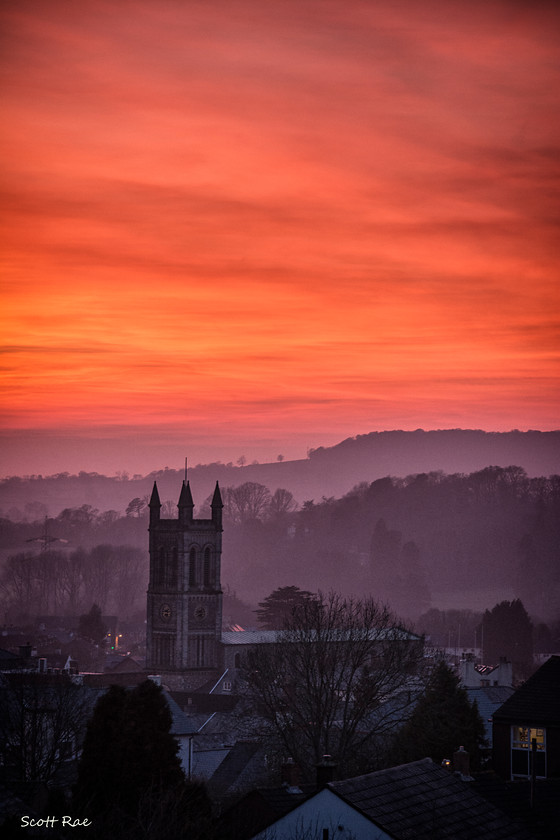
159 571
192 567
172 566
207 563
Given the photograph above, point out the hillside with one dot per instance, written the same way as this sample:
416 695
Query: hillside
329 471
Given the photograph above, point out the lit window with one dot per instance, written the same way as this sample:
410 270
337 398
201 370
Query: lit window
522 738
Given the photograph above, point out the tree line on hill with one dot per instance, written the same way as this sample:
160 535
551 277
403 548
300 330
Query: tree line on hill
407 540
329 471
402 540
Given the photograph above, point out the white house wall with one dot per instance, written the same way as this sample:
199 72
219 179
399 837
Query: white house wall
323 811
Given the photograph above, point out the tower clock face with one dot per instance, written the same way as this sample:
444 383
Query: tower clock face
200 612
165 612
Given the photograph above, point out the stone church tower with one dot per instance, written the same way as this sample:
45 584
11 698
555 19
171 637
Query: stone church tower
184 613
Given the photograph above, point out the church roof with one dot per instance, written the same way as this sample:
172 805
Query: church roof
185 498
217 497
154 499
263 637
250 637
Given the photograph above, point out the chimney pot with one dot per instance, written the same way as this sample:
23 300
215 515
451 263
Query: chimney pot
325 771
461 762
291 774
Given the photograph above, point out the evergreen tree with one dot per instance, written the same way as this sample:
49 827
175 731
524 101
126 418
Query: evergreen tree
278 607
91 625
130 780
443 720
507 631
100 789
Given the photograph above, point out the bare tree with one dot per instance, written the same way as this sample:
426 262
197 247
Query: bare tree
248 501
169 510
339 676
42 720
281 503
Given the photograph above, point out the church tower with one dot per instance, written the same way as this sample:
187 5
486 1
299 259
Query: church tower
184 593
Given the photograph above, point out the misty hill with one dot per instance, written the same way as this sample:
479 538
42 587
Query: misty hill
461 541
327 471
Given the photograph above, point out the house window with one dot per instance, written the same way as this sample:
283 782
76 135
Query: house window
522 738
227 685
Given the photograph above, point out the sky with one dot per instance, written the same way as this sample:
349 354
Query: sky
235 228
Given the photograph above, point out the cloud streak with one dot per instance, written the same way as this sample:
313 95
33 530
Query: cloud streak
343 215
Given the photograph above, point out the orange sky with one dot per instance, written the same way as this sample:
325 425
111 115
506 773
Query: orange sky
250 228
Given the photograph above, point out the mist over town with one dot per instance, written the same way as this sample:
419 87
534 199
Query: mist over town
279 420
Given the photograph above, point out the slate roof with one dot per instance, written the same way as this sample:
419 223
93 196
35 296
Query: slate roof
241 770
181 724
9 661
422 801
201 702
489 698
249 637
253 637
206 762
537 701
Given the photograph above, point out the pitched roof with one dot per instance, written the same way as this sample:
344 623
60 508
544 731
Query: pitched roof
422 801
537 700
250 637
8 656
181 723
240 770
253 637
259 809
488 699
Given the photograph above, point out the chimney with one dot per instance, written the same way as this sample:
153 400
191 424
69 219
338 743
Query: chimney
461 763
291 774
326 769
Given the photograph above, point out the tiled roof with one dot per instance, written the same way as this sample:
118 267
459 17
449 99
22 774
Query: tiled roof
537 700
422 801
